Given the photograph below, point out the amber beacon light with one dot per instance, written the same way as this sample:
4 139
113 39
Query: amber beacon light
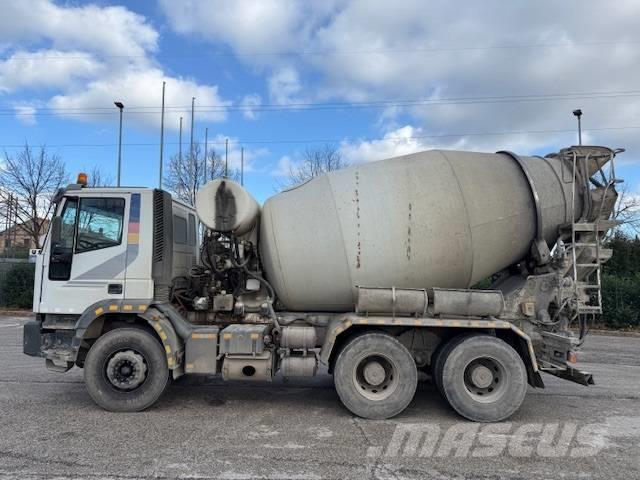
82 179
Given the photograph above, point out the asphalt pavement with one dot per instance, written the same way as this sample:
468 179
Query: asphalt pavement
204 428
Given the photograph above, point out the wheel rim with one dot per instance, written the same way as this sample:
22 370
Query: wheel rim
485 379
375 376
126 370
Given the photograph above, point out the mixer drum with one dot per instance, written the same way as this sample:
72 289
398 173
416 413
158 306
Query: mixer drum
431 219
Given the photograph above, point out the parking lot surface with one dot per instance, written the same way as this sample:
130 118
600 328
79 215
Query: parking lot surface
204 428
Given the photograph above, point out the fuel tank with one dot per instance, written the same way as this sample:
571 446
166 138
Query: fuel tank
437 218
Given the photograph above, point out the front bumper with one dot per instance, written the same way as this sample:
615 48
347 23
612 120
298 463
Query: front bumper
53 345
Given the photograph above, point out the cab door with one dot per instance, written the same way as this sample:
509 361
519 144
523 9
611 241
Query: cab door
88 262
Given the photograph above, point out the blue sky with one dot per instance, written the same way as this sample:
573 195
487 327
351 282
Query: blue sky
375 78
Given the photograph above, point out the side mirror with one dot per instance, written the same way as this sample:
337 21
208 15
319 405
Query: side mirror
56 230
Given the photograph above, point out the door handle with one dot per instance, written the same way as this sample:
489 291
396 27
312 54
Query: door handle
114 288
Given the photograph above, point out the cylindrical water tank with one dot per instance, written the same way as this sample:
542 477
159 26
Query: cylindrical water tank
225 206
432 219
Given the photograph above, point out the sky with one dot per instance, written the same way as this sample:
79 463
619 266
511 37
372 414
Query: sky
372 77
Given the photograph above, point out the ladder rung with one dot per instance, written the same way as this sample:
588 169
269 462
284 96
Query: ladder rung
591 227
589 286
583 244
587 265
590 309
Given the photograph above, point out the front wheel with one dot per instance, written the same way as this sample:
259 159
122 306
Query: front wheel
483 378
126 370
375 376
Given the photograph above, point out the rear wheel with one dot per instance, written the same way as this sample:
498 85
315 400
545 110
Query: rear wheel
483 378
375 376
439 356
126 370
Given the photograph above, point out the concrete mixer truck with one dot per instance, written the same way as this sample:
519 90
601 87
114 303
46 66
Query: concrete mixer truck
369 272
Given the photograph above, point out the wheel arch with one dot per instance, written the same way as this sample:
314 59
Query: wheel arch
106 315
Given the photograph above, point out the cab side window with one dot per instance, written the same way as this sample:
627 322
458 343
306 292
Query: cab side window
192 229
68 225
62 251
100 223
179 230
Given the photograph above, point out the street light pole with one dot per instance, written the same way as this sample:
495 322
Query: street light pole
226 158
192 168
180 144
120 106
206 151
578 113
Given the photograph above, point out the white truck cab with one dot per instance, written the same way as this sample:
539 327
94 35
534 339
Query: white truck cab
99 248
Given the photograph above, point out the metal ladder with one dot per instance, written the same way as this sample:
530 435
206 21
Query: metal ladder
587 275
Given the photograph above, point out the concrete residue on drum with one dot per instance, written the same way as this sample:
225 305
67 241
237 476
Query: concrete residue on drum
359 245
409 235
225 206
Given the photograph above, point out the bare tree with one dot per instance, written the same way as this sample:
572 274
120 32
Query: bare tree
97 178
186 174
28 182
313 162
627 210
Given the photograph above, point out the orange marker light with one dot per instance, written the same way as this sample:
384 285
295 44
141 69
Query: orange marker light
572 357
82 179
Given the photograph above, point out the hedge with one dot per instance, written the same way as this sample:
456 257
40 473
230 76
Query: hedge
620 301
16 285
620 293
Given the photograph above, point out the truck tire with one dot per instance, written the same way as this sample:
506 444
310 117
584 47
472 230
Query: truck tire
126 370
483 378
375 376
440 355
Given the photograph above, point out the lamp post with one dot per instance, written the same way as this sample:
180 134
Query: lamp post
120 106
180 144
206 151
578 113
192 169
226 158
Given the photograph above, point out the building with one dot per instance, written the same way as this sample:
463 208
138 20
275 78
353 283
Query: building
19 237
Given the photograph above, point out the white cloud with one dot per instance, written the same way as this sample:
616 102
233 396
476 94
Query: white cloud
26 114
252 27
408 49
109 30
284 167
284 86
403 141
248 104
46 68
142 87
87 57
411 139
